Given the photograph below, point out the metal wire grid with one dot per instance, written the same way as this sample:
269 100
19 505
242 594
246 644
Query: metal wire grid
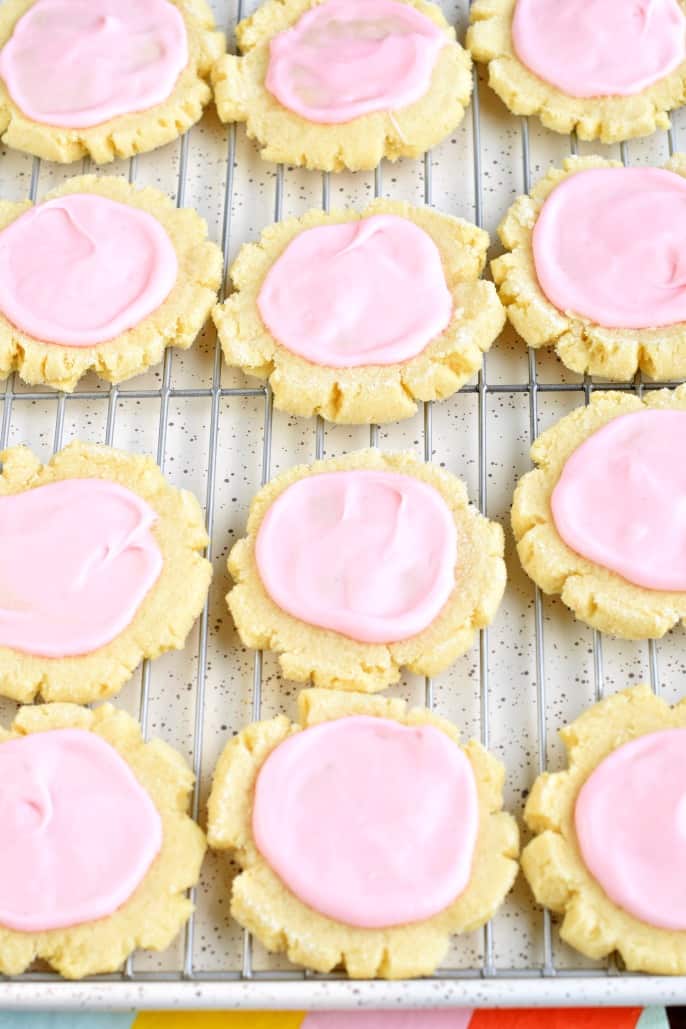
245 986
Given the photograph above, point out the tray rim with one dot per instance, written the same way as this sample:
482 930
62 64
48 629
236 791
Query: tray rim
499 992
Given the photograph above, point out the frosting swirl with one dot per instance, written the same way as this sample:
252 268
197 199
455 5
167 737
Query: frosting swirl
620 500
346 58
630 820
78 63
365 292
591 48
367 821
368 554
77 559
81 269
79 832
608 245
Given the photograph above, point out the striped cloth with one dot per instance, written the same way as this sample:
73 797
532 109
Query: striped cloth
570 1018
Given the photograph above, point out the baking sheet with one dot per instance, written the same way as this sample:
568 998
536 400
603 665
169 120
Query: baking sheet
213 432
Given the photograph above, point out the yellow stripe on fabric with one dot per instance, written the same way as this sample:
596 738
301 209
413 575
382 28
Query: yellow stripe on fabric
218 1020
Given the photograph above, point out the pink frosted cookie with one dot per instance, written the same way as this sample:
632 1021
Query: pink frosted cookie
609 851
607 69
97 848
100 566
601 519
575 277
359 317
344 83
367 834
357 566
100 275
102 78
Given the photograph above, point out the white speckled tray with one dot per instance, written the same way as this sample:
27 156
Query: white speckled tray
211 429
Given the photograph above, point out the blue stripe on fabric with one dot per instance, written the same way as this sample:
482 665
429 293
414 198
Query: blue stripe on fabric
652 1018
64 1020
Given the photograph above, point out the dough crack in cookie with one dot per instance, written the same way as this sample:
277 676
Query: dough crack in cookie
605 69
608 853
101 566
575 277
101 849
357 566
600 521
344 83
367 834
101 78
100 275
359 317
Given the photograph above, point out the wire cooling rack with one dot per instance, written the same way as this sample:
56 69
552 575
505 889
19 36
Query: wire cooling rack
217 434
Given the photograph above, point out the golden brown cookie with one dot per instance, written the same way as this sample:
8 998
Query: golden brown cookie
127 134
598 596
607 118
332 660
379 393
581 345
552 862
284 136
167 613
176 322
159 907
283 923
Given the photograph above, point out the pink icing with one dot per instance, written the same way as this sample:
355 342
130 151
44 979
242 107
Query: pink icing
368 821
589 48
77 559
455 1018
346 58
621 499
77 63
359 293
592 260
630 821
368 554
80 269
78 830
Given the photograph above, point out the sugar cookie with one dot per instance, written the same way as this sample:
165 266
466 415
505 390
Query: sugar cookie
373 906
103 276
73 84
332 577
344 83
82 605
407 321
608 847
599 521
606 69
102 847
582 240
